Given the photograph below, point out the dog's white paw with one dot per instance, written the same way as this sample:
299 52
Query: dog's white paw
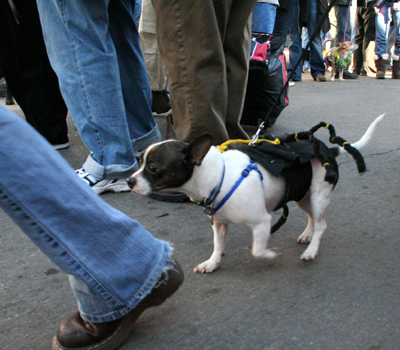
308 255
333 79
207 266
267 253
304 238
341 79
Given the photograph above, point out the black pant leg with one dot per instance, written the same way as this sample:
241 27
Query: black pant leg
27 70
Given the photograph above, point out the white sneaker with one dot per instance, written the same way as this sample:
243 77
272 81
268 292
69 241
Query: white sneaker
100 186
61 146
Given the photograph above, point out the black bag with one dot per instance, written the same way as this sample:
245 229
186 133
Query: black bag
266 80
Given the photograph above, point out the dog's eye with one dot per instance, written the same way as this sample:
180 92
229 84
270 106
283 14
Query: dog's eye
152 168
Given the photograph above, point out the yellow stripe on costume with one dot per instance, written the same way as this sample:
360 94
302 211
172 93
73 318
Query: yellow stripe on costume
225 145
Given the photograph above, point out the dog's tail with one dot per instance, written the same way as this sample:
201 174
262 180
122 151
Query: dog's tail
365 138
326 41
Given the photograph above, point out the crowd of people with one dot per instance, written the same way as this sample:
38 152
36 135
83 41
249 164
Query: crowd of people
375 21
111 71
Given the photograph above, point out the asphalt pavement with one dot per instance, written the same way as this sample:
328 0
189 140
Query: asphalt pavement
347 299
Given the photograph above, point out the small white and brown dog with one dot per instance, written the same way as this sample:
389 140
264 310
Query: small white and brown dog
202 172
339 58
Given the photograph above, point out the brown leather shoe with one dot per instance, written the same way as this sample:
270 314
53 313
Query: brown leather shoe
74 333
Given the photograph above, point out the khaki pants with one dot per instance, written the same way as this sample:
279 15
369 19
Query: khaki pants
205 46
148 40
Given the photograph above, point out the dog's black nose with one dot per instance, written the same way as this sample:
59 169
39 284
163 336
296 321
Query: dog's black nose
131 182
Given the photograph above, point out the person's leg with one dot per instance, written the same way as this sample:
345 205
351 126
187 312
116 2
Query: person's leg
135 83
282 20
396 54
138 12
382 23
29 75
344 33
191 46
86 60
191 38
263 17
295 48
154 64
358 57
237 56
115 256
344 28
316 60
115 265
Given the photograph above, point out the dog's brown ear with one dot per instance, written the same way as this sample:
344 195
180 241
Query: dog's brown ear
197 149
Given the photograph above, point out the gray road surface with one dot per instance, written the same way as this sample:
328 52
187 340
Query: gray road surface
347 299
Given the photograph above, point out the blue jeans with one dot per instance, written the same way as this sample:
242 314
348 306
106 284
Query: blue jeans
263 18
382 23
317 64
113 261
344 28
295 48
137 12
94 48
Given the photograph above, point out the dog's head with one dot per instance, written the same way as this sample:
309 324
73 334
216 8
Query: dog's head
168 164
348 46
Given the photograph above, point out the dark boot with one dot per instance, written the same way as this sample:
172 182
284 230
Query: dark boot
74 333
161 102
380 64
396 67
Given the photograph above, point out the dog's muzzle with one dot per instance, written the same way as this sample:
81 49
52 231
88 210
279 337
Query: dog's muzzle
131 182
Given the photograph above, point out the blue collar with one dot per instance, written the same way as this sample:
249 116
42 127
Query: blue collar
209 210
216 190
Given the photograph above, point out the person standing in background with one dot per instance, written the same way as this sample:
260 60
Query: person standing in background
27 71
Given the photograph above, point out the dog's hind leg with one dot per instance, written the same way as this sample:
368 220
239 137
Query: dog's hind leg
210 265
261 233
315 204
307 234
320 200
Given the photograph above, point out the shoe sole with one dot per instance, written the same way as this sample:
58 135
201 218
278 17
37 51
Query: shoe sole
166 113
112 188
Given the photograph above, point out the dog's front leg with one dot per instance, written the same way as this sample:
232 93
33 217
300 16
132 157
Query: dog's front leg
261 233
333 72
341 73
210 265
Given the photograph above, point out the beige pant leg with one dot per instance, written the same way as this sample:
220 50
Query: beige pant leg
148 39
237 46
193 36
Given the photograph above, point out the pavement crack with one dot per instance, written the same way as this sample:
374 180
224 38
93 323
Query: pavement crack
373 154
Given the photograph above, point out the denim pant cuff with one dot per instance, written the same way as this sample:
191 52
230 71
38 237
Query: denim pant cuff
121 311
113 171
120 171
146 140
